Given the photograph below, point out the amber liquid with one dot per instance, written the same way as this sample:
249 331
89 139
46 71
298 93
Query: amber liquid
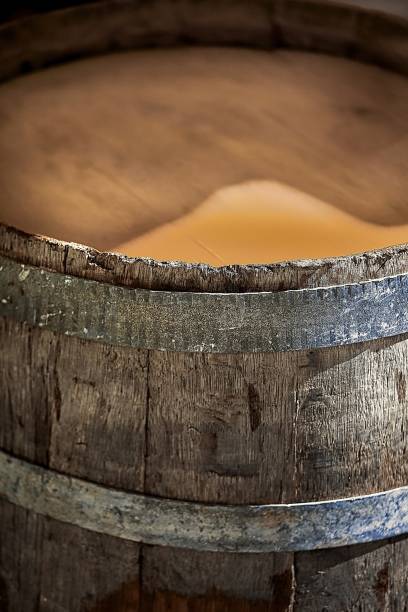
260 222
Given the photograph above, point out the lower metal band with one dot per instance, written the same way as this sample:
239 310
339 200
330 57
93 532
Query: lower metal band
204 322
199 526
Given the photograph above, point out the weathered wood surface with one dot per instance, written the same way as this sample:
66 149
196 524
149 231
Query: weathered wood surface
234 428
80 408
84 160
50 566
317 435
358 578
186 129
85 262
354 154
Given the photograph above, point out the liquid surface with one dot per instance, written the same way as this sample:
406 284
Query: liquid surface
260 222
103 150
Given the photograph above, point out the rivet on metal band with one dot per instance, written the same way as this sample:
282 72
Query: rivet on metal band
199 526
204 322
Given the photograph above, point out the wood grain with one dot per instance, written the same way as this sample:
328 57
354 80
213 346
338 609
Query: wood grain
352 419
186 129
85 262
78 408
207 444
216 582
226 412
48 566
234 428
356 578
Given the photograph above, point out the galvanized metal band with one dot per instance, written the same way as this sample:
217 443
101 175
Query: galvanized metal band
199 526
204 322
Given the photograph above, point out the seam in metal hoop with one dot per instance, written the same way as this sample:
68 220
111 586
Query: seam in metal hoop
199 526
204 322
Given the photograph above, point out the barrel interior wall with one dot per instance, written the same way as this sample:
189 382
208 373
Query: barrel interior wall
99 178
343 29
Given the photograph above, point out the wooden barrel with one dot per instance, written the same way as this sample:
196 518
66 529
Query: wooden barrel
187 438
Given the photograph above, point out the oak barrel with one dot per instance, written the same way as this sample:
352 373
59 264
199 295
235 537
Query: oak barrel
183 437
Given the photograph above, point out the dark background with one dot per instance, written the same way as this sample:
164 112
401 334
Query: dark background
9 9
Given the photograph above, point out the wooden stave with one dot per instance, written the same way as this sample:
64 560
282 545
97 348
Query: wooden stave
348 29
306 595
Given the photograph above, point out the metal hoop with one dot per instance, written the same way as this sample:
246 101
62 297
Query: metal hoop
204 322
199 526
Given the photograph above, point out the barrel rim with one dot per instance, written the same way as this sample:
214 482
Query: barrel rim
155 274
86 262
